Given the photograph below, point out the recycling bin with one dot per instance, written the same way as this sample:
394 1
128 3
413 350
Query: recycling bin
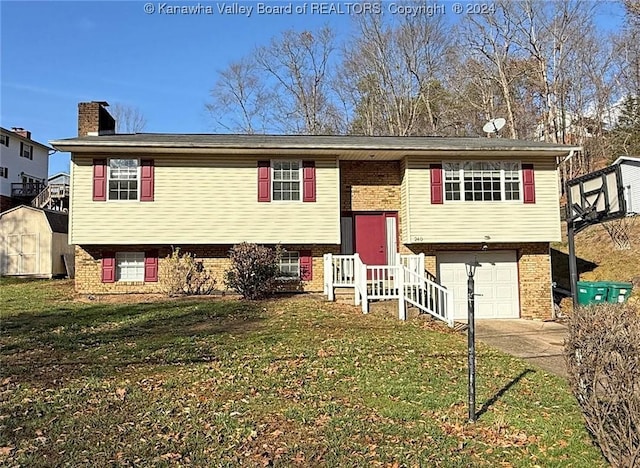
618 292
592 292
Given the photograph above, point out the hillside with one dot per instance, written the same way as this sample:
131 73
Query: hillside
598 259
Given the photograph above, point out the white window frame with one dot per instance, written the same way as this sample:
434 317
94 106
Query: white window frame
138 179
23 147
132 264
4 172
4 140
273 180
288 264
505 166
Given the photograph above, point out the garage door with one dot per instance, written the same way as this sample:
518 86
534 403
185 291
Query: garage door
496 282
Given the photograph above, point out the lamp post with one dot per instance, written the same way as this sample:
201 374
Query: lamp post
471 338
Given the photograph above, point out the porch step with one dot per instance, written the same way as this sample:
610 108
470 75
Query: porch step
344 295
391 308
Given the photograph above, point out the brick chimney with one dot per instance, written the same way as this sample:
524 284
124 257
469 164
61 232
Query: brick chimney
94 119
22 132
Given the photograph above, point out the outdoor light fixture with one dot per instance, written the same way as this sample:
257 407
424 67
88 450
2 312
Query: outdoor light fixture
485 246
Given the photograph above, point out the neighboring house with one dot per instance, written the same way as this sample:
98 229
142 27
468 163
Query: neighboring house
630 171
455 200
33 242
24 167
56 195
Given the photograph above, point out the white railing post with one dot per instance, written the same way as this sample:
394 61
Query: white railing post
328 276
448 306
363 288
357 293
399 275
421 264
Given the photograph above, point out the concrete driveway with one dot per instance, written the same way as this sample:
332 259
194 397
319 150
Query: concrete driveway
541 343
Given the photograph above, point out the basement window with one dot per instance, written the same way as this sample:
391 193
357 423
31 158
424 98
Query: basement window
130 266
289 265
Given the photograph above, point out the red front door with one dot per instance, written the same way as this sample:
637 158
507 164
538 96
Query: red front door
371 238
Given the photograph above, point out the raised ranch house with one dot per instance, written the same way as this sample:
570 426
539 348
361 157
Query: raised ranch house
388 217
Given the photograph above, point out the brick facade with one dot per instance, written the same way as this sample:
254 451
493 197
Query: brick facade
370 186
214 257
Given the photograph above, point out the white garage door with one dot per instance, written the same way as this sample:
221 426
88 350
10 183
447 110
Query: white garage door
496 282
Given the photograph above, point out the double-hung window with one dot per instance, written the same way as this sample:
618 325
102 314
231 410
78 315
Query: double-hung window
26 151
482 181
4 140
286 181
124 176
289 265
130 266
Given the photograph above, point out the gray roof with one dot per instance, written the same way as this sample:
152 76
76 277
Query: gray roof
13 134
58 221
303 142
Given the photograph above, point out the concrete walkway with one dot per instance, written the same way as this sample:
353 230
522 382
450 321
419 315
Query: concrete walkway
541 343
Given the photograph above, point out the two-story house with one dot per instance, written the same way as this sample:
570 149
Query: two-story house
493 202
24 167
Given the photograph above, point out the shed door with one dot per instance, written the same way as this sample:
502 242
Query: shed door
22 254
496 283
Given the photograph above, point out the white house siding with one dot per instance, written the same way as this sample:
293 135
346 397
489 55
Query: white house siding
205 199
480 221
37 168
630 171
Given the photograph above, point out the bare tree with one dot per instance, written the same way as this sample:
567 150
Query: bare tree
284 86
391 74
241 100
129 119
298 63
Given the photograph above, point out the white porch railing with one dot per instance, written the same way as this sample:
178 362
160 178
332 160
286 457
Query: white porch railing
405 281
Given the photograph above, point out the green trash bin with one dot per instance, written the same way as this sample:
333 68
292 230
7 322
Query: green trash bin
619 292
592 292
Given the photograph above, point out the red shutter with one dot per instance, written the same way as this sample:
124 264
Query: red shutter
108 267
99 180
151 266
528 183
146 180
436 184
264 181
308 181
306 265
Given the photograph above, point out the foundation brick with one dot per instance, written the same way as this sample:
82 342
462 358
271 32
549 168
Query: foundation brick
215 258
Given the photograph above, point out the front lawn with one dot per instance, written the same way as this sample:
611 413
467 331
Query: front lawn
293 381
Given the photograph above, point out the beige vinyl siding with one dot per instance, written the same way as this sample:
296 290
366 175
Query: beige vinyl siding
204 199
404 202
480 221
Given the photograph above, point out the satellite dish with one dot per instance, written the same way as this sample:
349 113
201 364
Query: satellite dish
494 125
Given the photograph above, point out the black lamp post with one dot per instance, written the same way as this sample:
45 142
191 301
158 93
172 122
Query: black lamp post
471 338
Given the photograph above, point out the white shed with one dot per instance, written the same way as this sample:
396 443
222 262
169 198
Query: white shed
630 171
33 242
